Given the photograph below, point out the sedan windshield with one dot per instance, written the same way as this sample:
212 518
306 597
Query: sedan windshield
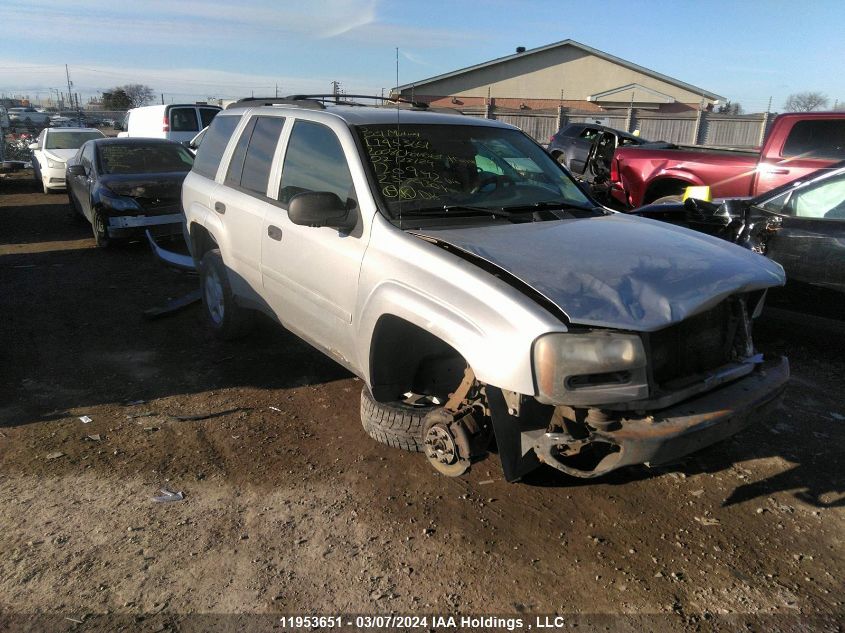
433 170
144 159
69 140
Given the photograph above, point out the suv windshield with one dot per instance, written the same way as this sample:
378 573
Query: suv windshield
432 169
69 140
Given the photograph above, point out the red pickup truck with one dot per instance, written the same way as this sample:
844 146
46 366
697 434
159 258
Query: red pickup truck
797 144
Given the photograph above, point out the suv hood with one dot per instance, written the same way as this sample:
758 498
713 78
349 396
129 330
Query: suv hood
618 271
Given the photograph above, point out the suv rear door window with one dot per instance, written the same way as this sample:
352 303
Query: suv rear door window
183 120
822 139
253 157
214 144
314 161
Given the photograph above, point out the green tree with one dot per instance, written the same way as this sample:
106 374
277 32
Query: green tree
116 99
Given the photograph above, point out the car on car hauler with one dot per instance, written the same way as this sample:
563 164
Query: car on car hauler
475 289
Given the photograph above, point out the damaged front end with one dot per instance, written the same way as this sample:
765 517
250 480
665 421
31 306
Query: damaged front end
668 393
647 398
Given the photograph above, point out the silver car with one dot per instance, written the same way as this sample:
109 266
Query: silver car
461 273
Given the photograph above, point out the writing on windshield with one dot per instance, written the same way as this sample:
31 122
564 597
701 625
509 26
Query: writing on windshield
421 167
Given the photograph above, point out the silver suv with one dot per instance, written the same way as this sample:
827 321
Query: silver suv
480 295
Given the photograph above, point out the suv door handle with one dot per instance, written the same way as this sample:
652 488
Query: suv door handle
275 233
220 207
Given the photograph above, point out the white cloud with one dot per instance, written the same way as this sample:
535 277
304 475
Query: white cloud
91 79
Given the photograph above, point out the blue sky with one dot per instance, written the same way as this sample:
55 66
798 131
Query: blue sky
746 50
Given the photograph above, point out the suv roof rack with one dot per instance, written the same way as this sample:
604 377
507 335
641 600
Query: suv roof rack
319 101
302 102
342 99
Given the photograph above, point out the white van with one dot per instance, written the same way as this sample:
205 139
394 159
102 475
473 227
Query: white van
176 121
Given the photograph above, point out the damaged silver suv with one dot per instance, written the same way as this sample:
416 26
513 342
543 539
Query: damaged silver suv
476 290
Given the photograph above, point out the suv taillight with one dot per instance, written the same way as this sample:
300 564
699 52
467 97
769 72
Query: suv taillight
614 170
165 124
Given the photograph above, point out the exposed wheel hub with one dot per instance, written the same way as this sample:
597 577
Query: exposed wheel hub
446 443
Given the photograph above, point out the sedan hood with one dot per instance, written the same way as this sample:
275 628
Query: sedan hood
62 154
146 186
618 271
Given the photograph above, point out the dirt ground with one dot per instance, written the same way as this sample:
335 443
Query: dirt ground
290 508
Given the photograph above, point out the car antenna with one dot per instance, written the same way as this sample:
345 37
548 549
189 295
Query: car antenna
398 141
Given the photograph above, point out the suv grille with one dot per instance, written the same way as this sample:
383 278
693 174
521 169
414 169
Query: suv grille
701 343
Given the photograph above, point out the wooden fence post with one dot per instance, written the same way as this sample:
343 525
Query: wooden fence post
697 129
763 125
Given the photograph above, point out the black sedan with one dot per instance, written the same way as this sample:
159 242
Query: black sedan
124 186
800 225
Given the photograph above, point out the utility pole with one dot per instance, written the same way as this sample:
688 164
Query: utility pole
70 92
162 98
277 91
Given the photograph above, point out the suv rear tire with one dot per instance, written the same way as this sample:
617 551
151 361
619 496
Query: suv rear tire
394 423
226 318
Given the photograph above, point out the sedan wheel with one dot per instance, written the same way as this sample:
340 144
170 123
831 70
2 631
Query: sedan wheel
99 227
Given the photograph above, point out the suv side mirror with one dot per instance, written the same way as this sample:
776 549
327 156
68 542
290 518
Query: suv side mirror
321 208
76 170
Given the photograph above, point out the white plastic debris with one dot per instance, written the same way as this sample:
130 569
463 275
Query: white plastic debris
84 419
168 496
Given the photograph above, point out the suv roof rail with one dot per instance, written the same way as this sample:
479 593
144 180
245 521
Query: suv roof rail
342 99
260 101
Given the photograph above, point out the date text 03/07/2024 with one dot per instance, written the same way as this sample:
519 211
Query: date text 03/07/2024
422 621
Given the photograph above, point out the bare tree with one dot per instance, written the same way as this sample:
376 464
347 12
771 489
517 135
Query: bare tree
138 94
730 107
806 102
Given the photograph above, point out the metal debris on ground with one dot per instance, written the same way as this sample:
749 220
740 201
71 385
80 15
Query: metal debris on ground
84 419
145 414
275 409
173 306
55 455
707 520
205 416
168 496
486 481
95 437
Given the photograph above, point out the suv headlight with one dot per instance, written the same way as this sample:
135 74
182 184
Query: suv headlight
590 369
55 164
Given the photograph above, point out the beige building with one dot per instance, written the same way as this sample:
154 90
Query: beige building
566 73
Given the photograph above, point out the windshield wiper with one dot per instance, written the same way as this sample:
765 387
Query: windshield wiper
458 210
548 205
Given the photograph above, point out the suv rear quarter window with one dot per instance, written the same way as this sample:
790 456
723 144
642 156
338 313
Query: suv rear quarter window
214 144
250 166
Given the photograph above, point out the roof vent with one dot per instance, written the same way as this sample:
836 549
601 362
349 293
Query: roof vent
520 49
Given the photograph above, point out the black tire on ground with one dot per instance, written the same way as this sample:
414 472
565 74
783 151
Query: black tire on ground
224 316
668 199
396 424
98 227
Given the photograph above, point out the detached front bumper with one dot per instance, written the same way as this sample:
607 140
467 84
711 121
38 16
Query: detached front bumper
658 438
128 225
